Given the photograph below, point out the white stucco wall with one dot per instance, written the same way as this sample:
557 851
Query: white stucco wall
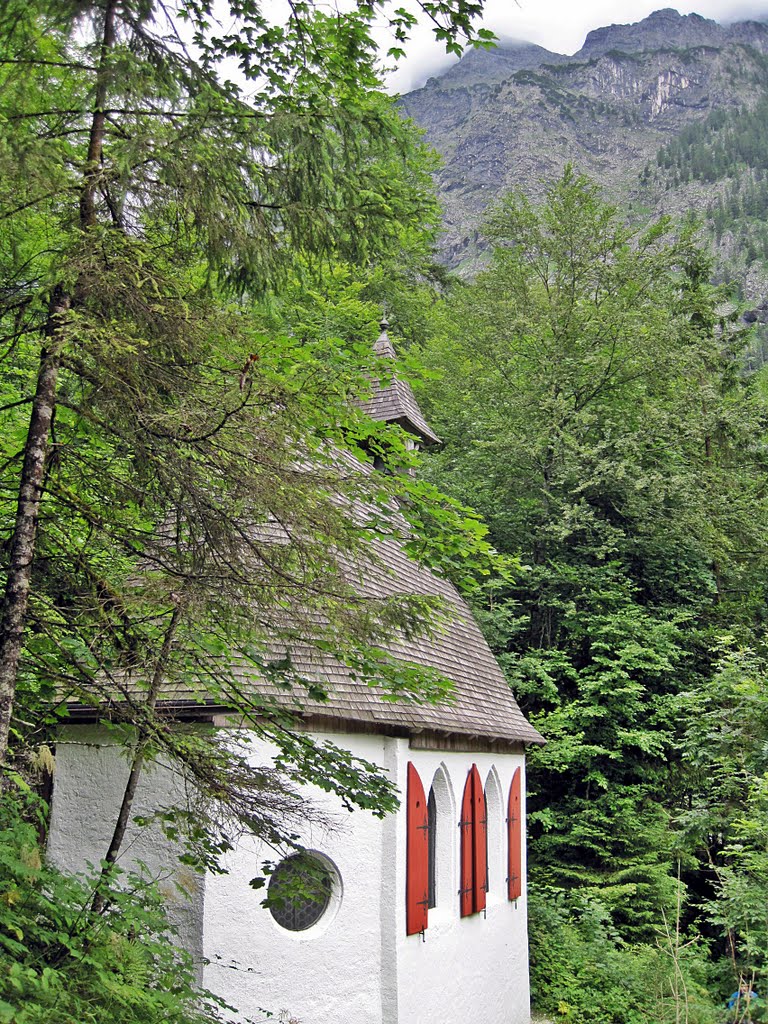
472 969
332 972
88 785
356 966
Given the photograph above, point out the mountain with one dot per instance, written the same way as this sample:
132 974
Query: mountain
670 114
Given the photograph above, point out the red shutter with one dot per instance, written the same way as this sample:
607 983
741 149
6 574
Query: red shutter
417 862
466 833
479 842
515 839
474 859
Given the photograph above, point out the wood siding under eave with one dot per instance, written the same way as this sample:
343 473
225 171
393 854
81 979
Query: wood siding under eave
222 718
466 744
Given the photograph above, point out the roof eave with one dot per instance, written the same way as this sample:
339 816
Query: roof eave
210 712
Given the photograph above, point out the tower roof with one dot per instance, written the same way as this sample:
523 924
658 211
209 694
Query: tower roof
395 402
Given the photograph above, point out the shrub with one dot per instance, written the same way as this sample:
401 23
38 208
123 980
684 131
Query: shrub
61 962
583 973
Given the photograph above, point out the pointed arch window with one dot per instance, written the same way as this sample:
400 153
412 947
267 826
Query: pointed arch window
473 826
485 831
496 833
431 849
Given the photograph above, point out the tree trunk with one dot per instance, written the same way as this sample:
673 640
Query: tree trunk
22 553
16 600
98 123
137 763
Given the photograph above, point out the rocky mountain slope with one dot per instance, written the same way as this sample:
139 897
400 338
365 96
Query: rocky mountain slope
650 110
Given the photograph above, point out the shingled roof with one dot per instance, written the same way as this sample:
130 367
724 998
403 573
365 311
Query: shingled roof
481 706
482 703
395 402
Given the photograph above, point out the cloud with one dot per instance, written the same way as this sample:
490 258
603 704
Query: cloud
558 25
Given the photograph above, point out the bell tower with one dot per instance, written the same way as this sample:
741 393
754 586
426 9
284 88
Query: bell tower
395 401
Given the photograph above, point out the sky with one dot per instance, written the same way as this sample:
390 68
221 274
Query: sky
558 25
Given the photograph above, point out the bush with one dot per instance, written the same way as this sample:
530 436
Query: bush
61 962
583 973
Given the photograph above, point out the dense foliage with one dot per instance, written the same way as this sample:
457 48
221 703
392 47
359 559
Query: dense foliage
191 280
58 959
185 338
596 412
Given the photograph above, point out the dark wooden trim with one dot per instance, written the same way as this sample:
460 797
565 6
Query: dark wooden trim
465 743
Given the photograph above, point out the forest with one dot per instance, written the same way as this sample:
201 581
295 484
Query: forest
726 152
192 272
596 411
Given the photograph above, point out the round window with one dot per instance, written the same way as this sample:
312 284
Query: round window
299 891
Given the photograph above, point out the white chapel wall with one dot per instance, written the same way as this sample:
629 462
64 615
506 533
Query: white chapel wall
356 966
333 972
471 969
89 781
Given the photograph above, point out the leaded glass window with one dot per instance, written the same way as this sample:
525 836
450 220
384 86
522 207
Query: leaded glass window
299 892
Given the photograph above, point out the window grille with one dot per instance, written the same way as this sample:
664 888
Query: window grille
299 892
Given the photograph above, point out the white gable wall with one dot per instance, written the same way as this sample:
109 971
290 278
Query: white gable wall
331 973
356 966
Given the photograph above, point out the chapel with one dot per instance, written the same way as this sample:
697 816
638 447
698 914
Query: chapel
419 918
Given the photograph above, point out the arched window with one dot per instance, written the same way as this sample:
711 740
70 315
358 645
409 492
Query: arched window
485 830
442 811
494 813
432 849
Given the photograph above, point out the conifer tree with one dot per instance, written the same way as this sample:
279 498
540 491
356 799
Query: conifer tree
174 495
595 411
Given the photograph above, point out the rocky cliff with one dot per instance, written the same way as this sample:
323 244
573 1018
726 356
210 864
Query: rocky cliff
619 110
